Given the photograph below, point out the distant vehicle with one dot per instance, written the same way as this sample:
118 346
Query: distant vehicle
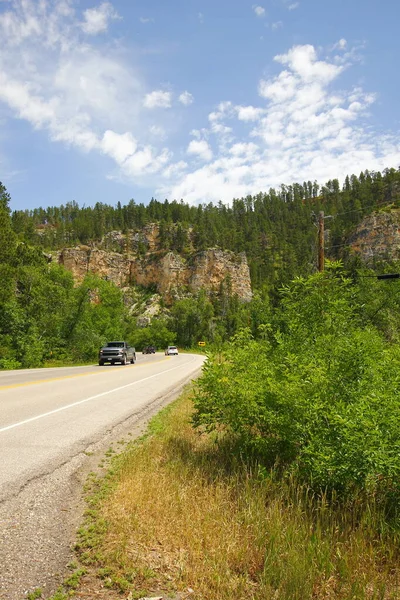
171 351
149 350
114 352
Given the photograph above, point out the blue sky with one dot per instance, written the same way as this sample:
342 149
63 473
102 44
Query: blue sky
194 99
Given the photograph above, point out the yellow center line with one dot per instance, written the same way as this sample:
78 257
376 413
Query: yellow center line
39 381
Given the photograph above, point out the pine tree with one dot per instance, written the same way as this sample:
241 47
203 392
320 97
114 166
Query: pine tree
8 239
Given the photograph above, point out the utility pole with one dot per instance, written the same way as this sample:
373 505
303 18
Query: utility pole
321 238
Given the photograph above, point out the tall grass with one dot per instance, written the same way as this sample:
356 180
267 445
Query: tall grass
184 513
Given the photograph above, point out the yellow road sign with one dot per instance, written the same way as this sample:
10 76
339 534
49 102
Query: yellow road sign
202 343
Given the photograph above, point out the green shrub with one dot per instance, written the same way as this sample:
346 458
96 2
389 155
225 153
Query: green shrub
319 396
9 363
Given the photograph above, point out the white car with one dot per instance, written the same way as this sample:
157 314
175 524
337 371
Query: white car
171 351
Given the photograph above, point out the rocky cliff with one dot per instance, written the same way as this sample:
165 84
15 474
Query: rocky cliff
377 237
139 262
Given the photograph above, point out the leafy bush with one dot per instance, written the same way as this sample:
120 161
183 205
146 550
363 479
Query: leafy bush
319 395
9 363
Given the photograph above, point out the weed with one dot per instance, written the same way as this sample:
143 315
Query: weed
73 580
179 511
35 594
59 595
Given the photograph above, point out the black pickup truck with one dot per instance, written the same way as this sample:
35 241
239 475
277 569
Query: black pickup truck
114 352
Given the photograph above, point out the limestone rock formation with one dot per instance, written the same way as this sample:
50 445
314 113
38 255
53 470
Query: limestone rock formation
377 237
172 275
109 265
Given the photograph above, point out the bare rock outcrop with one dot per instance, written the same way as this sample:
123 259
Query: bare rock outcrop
215 266
377 237
109 265
170 274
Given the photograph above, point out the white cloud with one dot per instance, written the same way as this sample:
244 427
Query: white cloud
199 133
293 6
186 98
158 99
249 113
220 129
248 150
82 95
341 44
304 126
175 169
224 109
146 20
200 17
302 60
118 146
259 10
146 161
305 130
276 25
96 20
201 149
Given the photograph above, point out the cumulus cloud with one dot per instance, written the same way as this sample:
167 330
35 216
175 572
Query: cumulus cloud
305 124
175 170
82 95
158 99
259 10
186 98
249 113
304 129
201 149
146 161
96 20
118 146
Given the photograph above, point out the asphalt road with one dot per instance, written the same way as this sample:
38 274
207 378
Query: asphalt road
48 420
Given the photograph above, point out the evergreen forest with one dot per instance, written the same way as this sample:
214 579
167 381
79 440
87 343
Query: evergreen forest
45 318
275 229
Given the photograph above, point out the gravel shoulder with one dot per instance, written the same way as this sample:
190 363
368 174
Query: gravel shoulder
38 526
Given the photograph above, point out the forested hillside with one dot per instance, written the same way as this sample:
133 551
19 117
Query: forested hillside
45 316
276 229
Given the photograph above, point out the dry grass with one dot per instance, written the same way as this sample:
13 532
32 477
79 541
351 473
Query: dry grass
182 515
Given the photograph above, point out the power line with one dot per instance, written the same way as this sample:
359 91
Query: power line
382 276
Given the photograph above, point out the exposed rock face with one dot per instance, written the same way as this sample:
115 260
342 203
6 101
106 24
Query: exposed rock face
377 236
166 273
170 274
109 265
215 265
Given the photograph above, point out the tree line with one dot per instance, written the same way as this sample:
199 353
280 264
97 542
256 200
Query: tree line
45 317
275 229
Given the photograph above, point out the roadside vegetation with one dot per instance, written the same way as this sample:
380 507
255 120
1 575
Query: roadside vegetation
318 398
278 475
183 513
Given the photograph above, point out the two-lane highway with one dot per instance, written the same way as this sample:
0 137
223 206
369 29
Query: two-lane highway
48 417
